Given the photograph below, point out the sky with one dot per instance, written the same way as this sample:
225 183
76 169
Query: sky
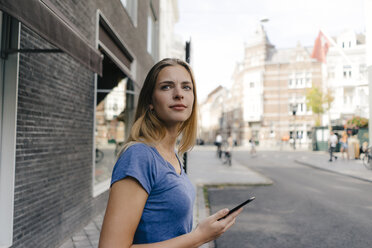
218 30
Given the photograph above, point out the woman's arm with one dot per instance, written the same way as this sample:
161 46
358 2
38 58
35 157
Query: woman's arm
208 230
124 210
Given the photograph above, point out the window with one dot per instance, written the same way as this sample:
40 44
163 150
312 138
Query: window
331 72
9 30
347 71
114 110
291 80
309 77
363 70
131 8
152 42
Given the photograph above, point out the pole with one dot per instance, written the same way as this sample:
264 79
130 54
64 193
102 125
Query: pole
187 58
294 131
294 110
368 20
188 51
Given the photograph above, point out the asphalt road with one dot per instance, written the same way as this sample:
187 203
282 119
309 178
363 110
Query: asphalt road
305 207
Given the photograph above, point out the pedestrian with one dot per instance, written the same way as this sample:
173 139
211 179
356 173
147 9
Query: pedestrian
253 146
151 198
333 140
344 145
218 143
363 150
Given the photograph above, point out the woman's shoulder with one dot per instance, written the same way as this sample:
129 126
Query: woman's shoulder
136 154
138 148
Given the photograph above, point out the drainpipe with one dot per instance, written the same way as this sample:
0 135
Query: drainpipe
368 21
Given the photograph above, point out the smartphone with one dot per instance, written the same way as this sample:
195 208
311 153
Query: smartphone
237 207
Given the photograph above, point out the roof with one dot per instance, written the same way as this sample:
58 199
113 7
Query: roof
284 55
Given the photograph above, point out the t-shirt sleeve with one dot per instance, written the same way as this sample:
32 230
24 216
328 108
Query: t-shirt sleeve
137 162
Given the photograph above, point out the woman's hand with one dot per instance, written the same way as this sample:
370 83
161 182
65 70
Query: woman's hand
211 228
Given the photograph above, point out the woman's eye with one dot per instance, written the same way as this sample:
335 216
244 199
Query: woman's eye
187 87
165 87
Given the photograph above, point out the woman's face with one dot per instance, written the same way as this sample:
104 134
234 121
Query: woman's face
173 96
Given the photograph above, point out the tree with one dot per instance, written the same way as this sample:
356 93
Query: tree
318 102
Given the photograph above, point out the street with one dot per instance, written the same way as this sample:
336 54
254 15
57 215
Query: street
304 207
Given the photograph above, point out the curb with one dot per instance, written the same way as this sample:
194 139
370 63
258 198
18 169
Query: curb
203 205
333 171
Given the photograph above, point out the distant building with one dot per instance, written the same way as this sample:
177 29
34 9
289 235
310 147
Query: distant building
211 112
61 61
269 84
171 44
347 78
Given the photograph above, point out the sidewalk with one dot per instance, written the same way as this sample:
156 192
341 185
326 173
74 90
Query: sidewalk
353 168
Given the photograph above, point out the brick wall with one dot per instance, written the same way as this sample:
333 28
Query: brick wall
54 153
53 179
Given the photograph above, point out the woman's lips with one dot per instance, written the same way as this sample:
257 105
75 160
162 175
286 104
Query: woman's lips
178 107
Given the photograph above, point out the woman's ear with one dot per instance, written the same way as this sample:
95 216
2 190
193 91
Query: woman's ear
151 107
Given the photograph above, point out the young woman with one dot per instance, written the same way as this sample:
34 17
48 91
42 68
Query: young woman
151 198
344 145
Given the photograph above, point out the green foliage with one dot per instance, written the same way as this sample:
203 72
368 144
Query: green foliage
357 121
328 98
314 100
319 102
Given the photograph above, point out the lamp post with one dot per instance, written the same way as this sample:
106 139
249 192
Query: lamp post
294 110
187 58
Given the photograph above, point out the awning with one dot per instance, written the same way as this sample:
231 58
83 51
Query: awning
48 22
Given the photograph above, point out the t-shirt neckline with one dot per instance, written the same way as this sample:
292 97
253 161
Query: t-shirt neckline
169 164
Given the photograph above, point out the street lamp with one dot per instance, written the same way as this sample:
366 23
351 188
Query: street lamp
294 110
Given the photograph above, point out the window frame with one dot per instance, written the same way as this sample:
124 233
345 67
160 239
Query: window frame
9 72
131 7
101 187
152 27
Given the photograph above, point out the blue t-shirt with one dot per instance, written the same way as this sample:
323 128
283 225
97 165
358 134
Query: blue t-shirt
168 211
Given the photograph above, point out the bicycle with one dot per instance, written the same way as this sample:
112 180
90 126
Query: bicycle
226 153
99 155
226 158
367 158
118 148
219 150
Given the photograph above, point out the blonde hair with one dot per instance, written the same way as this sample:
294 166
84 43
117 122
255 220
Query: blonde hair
147 127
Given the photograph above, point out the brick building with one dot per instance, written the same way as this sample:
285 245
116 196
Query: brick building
269 84
59 60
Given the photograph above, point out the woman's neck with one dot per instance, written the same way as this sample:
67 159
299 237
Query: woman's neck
168 143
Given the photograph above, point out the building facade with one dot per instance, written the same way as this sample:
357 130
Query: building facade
171 44
346 78
269 89
210 115
61 61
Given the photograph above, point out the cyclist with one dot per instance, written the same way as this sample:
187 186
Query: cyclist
218 143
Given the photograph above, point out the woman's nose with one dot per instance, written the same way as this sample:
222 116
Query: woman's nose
178 94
